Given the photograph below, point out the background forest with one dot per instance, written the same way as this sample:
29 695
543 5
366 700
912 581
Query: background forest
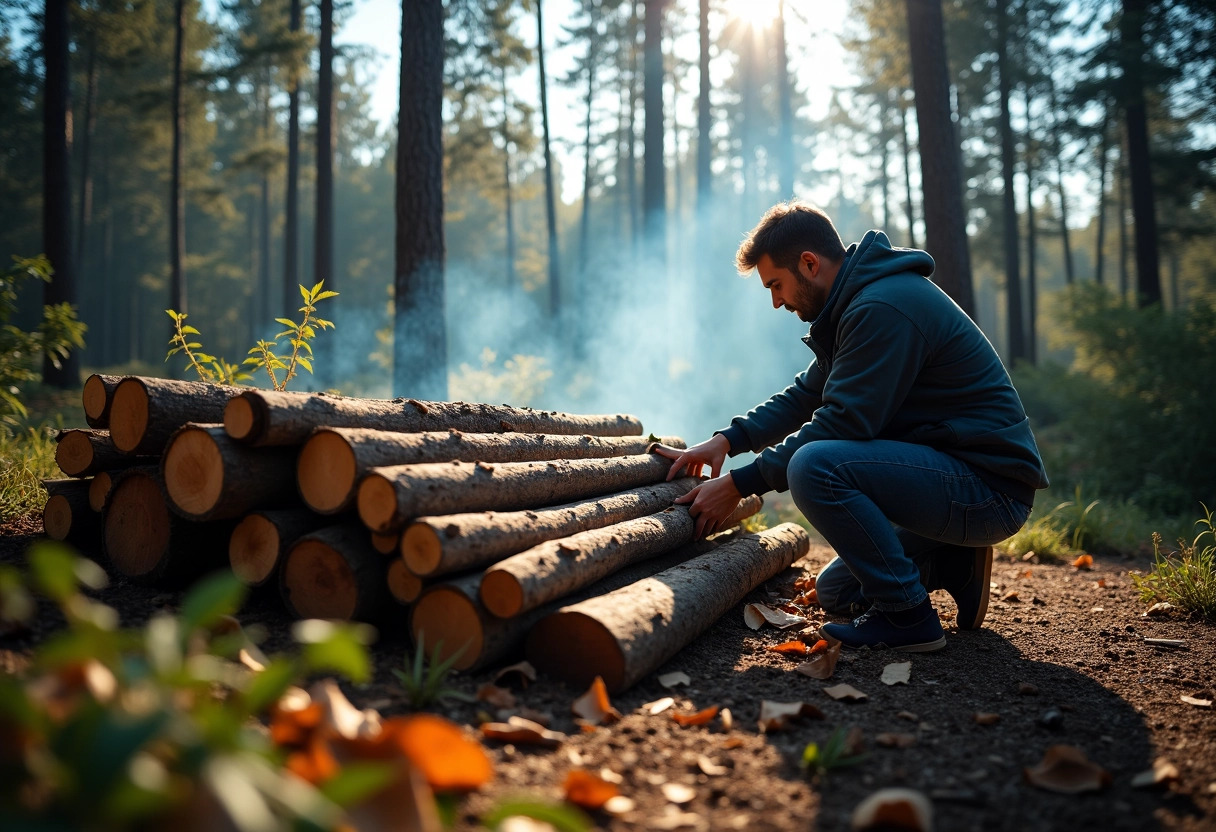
219 154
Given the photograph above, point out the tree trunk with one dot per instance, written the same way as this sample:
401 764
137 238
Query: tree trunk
1103 158
704 120
584 228
908 203
84 217
145 412
1139 159
1032 252
334 573
433 546
419 334
261 540
390 497
631 168
654 174
1069 273
556 568
267 417
941 175
291 207
96 396
508 194
550 197
623 635
785 138
323 245
84 453
210 476
1015 320
333 460
177 194
57 181
67 514
1122 212
264 304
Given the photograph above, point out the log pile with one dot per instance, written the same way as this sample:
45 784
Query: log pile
479 525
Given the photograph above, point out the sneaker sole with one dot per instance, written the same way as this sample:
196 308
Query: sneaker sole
923 647
983 565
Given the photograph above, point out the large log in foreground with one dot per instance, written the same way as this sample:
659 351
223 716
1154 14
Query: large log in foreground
208 476
389 497
145 412
334 573
67 514
625 634
84 453
261 540
433 546
96 396
558 567
334 459
266 417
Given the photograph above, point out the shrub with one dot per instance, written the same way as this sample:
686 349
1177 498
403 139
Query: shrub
1185 578
26 458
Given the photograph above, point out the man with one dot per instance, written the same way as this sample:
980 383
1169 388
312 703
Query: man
903 443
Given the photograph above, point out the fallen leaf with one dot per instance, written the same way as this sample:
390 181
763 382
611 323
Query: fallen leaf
895 740
671 680
678 792
1027 574
821 665
1084 562
1159 608
448 759
776 716
1197 701
339 716
1066 769
1101 583
755 615
791 608
699 718
523 731
594 706
496 696
845 693
709 768
982 718
1162 773
732 742
518 675
588 790
659 705
789 648
854 742
905 809
897 673
805 583
819 646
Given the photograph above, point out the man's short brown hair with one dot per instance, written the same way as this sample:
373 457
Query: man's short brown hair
787 230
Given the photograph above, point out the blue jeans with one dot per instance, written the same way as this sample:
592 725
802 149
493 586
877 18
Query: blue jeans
890 509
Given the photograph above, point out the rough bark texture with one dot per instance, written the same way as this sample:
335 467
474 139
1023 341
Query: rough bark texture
433 546
625 634
67 514
265 417
208 476
390 497
262 538
333 460
96 396
145 412
334 573
556 568
83 453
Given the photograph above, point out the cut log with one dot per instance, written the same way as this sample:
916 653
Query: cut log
389 497
97 395
145 412
84 453
262 538
556 568
99 490
625 634
208 476
267 417
146 542
451 612
433 546
334 573
67 514
386 544
333 460
403 585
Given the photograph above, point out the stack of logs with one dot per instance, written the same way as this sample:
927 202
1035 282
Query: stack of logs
491 525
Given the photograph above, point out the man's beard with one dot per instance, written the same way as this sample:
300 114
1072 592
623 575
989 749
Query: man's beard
808 300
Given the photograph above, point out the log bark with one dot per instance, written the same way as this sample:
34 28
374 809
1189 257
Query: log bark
434 546
334 573
209 476
67 514
390 497
96 396
266 417
556 568
146 542
145 412
333 460
625 634
84 453
403 585
261 540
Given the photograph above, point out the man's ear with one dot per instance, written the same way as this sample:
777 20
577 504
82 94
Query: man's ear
812 262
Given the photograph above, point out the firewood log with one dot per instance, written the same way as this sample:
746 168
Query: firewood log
84 453
67 515
97 394
403 585
208 476
389 497
556 568
99 490
434 546
266 417
260 541
386 544
625 634
334 573
145 412
334 459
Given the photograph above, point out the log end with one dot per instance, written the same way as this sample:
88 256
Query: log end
129 415
57 517
94 398
74 453
242 420
253 549
501 593
194 471
377 502
421 550
99 490
385 542
576 648
326 471
137 526
403 584
446 615
317 582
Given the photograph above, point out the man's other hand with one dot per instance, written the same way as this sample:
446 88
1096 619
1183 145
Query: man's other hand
711 452
711 503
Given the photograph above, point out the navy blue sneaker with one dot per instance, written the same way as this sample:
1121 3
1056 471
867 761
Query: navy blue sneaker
965 575
915 630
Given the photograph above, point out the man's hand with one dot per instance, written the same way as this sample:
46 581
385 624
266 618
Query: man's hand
710 503
711 452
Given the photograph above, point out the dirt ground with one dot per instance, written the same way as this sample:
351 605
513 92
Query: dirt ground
1062 659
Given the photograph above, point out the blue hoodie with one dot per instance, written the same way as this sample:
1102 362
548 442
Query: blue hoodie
895 358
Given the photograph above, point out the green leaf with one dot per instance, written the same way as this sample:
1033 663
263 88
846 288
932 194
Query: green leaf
286 322
255 361
268 685
313 294
210 599
358 781
325 296
305 363
336 646
171 314
305 345
562 817
304 294
285 333
189 330
53 568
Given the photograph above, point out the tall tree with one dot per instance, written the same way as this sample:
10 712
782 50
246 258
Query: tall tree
550 199
177 196
323 248
704 115
419 331
654 179
291 206
1015 322
785 138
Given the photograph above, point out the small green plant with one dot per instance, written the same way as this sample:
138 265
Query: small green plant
1077 518
424 680
1185 578
209 367
26 458
836 752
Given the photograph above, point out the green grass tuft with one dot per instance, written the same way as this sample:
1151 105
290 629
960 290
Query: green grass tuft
1185 578
26 458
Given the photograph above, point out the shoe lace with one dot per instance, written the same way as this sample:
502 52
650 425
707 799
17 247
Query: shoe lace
864 617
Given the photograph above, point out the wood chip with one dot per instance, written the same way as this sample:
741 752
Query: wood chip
845 693
522 731
755 616
678 793
983 718
1197 701
1159 608
897 673
709 768
659 705
1166 642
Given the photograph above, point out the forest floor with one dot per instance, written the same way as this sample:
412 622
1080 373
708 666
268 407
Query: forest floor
1062 659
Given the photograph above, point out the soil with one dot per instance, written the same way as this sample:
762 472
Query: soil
1062 659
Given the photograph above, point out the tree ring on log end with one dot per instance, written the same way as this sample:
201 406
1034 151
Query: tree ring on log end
253 549
420 549
74 453
377 501
501 593
129 415
94 397
57 517
385 542
326 472
137 526
318 583
404 585
194 471
598 653
447 615
241 420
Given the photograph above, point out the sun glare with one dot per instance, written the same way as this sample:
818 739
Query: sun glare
756 13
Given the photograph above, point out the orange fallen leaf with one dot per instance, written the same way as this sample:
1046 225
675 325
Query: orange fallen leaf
523 732
1011 595
776 716
819 646
1027 574
292 726
894 809
1084 562
822 663
982 718
699 718
1101 583
588 790
732 742
594 706
1066 769
805 583
314 763
496 696
448 759
789 648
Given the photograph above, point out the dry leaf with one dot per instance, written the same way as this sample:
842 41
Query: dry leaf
897 673
805 583
789 648
448 759
894 809
821 665
1084 562
671 680
1011 596
845 693
1065 769
755 615
518 675
1159 608
659 705
339 716
732 742
678 793
775 716
1197 701
496 696
982 718
728 721
523 731
588 790
709 768
1101 583
1162 773
594 706
699 718
1027 574
895 740
819 646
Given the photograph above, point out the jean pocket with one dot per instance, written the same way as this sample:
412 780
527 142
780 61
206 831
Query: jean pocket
975 524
